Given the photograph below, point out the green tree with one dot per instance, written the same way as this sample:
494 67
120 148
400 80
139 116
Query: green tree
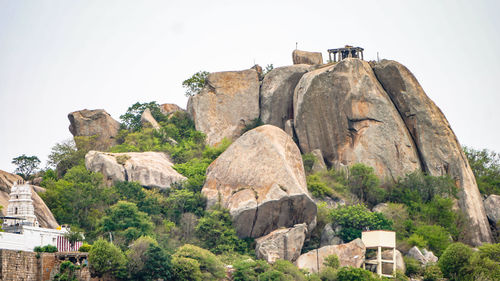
147 261
74 236
436 236
195 83
485 165
106 258
348 273
26 165
356 218
455 260
364 184
131 120
126 222
188 260
216 232
249 269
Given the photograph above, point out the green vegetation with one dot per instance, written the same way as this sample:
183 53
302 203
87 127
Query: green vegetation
252 125
26 165
365 185
195 83
106 258
45 249
66 272
194 263
485 165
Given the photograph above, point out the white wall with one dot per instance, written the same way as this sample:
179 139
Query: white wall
31 237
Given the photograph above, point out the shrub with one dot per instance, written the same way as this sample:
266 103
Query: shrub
332 261
195 83
45 249
249 270
317 187
348 273
356 218
273 275
413 267
104 257
432 273
328 274
454 261
417 240
364 184
290 271
85 248
211 267
186 269
132 118
436 236
308 159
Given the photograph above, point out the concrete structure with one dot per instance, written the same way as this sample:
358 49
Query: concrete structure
21 229
378 239
346 52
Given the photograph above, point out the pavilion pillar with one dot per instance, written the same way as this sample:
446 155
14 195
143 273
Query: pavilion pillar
362 55
330 56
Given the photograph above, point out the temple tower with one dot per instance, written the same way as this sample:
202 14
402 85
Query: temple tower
21 206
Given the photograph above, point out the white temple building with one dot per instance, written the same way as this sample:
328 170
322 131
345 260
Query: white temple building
20 226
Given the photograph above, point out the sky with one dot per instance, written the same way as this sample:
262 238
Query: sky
57 57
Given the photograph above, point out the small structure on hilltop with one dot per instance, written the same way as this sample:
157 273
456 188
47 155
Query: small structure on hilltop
21 228
346 52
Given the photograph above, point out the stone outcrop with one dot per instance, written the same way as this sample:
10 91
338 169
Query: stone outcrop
424 256
349 254
148 121
438 147
303 57
380 208
329 236
319 164
228 102
169 108
42 212
94 123
284 243
492 207
151 169
343 111
289 128
276 94
260 179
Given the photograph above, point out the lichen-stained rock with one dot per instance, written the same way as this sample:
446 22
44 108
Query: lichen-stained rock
284 243
276 94
349 254
148 121
42 212
94 123
260 178
343 111
304 57
152 169
440 151
228 102
168 108
492 207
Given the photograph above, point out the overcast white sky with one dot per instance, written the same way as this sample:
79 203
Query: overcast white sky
60 56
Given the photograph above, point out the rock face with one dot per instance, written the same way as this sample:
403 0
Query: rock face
260 179
350 254
329 236
147 120
94 123
228 102
424 256
168 108
152 169
42 212
438 147
276 94
284 243
343 111
303 57
492 207
319 164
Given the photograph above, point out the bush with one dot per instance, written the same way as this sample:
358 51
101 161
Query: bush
273 275
290 271
308 159
131 120
364 184
356 218
85 248
105 257
332 261
348 273
417 240
45 249
186 269
436 236
317 187
413 267
195 83
454 261
328 274
432 273
249 270
209 265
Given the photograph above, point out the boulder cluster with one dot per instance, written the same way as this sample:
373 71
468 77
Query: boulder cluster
343 113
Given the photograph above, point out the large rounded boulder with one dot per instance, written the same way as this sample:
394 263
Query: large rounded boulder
276 94
228 102
97 123
260 178
440 151
343 111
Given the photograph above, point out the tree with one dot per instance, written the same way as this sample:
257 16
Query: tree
131 120
190 261
485 165
364 184
126 222
26 165
73 237
195 83
147 261
455 260
106 258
